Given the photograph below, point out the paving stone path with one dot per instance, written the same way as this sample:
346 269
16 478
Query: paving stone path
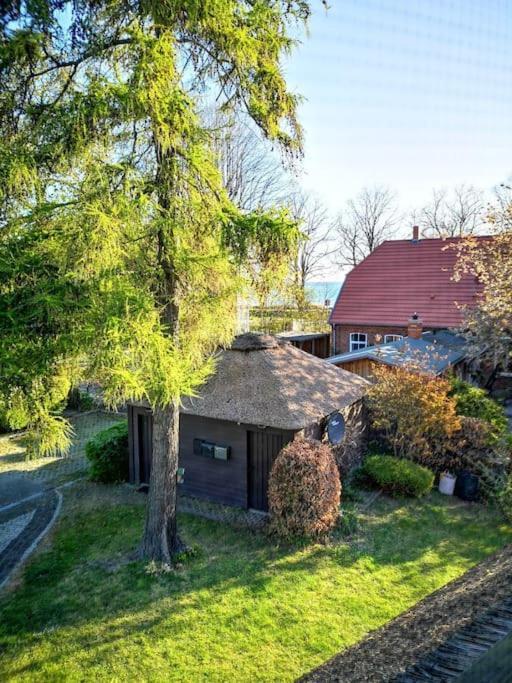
22 526
29 490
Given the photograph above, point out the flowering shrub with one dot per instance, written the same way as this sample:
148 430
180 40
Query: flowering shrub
304 490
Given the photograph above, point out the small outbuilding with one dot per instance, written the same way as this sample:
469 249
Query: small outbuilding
316 343
263 394
437 352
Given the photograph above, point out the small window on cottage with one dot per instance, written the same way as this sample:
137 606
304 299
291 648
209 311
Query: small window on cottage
388 338
358 340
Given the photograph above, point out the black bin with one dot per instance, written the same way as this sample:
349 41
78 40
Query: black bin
467 486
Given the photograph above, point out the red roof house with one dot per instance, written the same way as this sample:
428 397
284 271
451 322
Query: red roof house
398 279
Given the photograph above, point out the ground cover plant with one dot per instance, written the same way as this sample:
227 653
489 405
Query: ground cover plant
241 609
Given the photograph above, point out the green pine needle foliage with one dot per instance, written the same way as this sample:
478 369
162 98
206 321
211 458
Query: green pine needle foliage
121 256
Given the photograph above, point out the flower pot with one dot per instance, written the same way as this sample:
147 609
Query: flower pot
447 483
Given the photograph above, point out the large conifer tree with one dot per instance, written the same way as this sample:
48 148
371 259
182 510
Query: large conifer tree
120 253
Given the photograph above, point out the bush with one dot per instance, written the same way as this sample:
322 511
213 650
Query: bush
474 402
4 424
398 477
473 449
108 455
504 498
471 445
80 400
304 490
412 412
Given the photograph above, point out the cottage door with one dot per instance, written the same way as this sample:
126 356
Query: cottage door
262 449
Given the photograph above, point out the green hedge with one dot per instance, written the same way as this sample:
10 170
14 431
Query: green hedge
396 476
474 402
108 454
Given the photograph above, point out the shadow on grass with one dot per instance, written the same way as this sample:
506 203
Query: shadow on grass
86 425
12 449
70 587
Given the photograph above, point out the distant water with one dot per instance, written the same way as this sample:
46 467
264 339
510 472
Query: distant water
320 291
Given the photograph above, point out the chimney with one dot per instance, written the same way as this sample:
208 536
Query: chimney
415 327
415 233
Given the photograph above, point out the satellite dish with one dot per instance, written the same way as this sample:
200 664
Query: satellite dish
336 428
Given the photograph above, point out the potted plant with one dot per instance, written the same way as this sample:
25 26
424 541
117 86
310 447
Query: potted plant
447 482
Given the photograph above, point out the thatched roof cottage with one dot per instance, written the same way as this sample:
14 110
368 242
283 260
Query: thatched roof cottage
263 394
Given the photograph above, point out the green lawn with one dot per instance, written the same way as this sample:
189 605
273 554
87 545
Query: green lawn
241 609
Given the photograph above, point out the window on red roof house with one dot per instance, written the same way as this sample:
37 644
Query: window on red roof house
358 340
389 338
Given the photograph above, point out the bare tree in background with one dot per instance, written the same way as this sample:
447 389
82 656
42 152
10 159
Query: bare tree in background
368 220
317 245
454 214
499 211
252 174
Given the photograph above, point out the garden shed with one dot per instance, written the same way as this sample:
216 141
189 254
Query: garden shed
263 394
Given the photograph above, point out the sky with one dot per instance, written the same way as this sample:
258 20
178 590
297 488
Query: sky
411 94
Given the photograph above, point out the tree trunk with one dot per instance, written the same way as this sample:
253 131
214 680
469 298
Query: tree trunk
161 541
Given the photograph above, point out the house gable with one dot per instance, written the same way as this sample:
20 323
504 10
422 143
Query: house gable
403 276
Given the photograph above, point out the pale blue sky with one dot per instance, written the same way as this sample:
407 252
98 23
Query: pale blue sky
413 94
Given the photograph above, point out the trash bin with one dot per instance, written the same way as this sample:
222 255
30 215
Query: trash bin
467 486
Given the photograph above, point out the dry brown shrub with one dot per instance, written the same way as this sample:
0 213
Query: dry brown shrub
304 490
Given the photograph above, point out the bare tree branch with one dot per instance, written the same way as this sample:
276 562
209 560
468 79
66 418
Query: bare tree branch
368 220
253 177
313 253
454 214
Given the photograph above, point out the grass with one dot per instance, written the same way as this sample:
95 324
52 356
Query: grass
241 609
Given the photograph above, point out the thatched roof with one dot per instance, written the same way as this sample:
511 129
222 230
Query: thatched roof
262 380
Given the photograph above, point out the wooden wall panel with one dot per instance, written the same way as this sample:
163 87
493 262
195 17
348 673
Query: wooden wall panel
218 480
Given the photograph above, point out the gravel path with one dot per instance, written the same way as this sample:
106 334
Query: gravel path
402 643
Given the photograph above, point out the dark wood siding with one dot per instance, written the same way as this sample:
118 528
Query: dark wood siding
362 367
140 423
263 447
217 480
222 481
317 346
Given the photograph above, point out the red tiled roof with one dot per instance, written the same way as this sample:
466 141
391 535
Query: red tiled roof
402 277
